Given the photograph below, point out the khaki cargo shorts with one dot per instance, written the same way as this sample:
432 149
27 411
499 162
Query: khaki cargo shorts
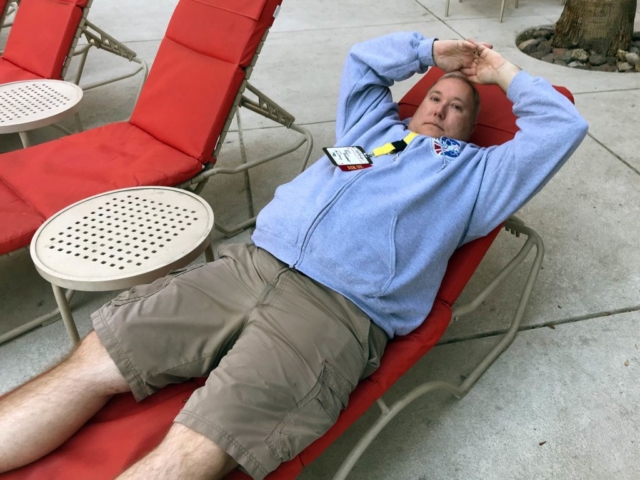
281 352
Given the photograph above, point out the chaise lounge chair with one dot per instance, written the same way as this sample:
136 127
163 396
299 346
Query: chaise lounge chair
175 133
124 431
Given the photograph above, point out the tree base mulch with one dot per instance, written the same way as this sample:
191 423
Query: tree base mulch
537 43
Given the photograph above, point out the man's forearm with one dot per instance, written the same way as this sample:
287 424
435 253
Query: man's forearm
505 75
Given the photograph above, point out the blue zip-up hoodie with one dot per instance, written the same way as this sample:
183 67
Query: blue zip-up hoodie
382 236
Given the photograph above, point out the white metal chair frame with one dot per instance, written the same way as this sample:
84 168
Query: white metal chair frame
9 8
446 10
516 227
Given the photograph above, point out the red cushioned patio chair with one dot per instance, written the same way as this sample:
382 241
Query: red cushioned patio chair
44 40
198 80
124 431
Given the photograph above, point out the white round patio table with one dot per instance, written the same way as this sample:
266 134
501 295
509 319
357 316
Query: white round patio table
120 239
31 104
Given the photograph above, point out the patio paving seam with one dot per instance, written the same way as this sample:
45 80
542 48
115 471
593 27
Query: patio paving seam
614 153
551 324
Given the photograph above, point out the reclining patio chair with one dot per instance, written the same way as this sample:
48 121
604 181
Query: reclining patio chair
44 40
124 431
176 130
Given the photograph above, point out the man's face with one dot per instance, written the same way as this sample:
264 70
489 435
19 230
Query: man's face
447 110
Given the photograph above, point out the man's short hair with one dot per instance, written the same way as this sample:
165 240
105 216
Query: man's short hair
476 94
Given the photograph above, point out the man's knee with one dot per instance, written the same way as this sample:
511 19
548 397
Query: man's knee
92 361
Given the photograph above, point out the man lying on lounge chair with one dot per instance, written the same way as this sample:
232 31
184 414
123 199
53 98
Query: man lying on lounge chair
346 256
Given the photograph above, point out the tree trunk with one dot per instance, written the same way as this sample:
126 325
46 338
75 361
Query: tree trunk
604 26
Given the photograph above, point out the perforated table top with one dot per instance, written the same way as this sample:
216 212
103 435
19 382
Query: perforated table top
33 104
122 238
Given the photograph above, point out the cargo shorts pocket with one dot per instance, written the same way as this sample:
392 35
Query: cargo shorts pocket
312 416
144 291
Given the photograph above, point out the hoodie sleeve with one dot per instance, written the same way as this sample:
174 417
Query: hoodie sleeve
371 68
550 130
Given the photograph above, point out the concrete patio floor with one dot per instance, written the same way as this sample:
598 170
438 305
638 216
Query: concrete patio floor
563 402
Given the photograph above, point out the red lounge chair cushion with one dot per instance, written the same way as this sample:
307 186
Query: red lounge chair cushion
187 99
198 71
56 174
42 34
19 220
12 73
228 31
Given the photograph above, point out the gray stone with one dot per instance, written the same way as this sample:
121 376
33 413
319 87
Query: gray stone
611 60
529 46
634 49
580 55
578 65
606 68
542 34
597 59
537 55
544 47
624 67
559 51
565 57
549 58
560 62
622 55
633 58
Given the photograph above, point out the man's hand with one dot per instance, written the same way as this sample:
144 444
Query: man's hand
489 67
452 55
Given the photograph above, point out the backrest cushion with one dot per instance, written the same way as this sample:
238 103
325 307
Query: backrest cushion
42 34
198 71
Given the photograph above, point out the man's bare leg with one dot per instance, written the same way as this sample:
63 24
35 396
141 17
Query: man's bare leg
42 414
183 453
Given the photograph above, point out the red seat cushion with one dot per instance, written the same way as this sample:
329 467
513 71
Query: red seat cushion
42 34
56 174
187 99
19 220
12 73
199 70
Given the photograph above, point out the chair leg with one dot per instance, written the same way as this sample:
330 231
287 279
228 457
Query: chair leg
65 311
446 9
24 136
502 11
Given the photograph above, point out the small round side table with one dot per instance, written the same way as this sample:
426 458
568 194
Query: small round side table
120 239
31 104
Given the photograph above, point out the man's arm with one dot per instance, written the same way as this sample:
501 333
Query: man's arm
373 66
550 131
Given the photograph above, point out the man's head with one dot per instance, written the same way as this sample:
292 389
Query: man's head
450 108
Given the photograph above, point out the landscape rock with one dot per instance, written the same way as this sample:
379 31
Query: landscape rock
565 57
622 55
542 33
611 60
560 62
544 47
549 58
559 51
578 65
606 68
537 55
529 46
597 59
632 58
624 67
580 55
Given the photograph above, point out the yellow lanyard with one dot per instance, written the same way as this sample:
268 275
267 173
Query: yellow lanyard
394 147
